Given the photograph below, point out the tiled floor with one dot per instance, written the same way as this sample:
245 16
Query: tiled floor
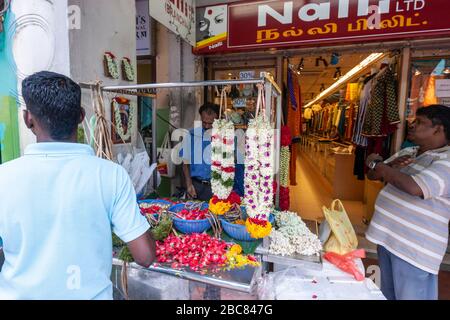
312 193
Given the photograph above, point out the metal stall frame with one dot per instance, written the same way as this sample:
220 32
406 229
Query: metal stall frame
272 90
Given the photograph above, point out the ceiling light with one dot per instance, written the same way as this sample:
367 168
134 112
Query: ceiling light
417 72
446 70
374 57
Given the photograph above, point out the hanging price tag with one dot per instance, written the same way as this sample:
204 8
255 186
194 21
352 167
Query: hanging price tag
245 75
240 103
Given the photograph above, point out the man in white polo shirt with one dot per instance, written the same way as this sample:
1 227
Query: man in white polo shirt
412 212
59 203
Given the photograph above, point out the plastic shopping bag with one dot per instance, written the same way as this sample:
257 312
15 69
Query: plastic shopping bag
166 167
343 237
346 262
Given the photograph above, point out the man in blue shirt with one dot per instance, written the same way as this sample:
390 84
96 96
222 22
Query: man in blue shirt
197 155
59 203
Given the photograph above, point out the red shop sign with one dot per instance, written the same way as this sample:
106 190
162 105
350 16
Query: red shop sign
251 25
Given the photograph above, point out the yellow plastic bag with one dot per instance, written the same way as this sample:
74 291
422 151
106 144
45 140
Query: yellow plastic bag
343 237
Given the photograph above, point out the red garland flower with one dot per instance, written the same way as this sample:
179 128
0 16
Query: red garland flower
286 137
234 198
259 222
197 251
110 54
215 199
228 169
284 198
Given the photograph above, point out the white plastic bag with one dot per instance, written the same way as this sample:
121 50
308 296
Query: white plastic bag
166 167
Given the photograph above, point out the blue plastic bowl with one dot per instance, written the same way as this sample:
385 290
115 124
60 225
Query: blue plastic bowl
239 232
155 202
189 226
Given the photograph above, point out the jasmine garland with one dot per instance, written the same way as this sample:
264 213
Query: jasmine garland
258 180
222 158
118 121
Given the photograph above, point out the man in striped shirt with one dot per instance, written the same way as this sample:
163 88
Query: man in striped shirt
412 212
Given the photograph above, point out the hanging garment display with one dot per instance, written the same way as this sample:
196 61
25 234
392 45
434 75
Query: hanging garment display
382 113
352 92
359 164
364 100
294 120
350 120
307 115
430 92
341 122
294 115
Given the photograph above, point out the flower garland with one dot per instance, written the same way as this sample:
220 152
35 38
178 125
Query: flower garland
258 180
128 69
292 236
235 258
118 120
285 156
111 63
220 207
222 158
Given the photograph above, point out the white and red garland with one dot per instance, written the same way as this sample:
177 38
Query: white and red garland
259 171
222 158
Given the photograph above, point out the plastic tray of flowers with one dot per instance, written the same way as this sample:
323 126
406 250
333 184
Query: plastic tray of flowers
189 226
164 204
239 231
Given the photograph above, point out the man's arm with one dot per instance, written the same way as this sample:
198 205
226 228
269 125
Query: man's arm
397 163
187 177
143 250
398 179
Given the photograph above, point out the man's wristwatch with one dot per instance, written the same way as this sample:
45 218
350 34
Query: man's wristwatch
374 163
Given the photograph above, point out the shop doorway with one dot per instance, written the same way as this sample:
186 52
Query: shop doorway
331 147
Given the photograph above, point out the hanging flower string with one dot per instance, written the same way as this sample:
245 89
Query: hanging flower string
258 180
128 69
118 120
222 206
285 155
222 164
222 158
111 64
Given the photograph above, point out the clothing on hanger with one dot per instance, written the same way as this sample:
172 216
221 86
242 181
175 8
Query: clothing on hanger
382 113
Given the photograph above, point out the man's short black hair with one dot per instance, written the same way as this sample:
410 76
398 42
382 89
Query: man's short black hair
55 101
439 115
209 108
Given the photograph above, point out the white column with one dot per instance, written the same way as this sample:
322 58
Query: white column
40 41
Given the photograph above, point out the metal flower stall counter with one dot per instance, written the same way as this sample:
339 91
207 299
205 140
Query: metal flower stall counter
215 242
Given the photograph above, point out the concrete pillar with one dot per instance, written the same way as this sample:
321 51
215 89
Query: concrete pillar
37 37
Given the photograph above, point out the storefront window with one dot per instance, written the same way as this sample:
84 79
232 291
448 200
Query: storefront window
430 83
